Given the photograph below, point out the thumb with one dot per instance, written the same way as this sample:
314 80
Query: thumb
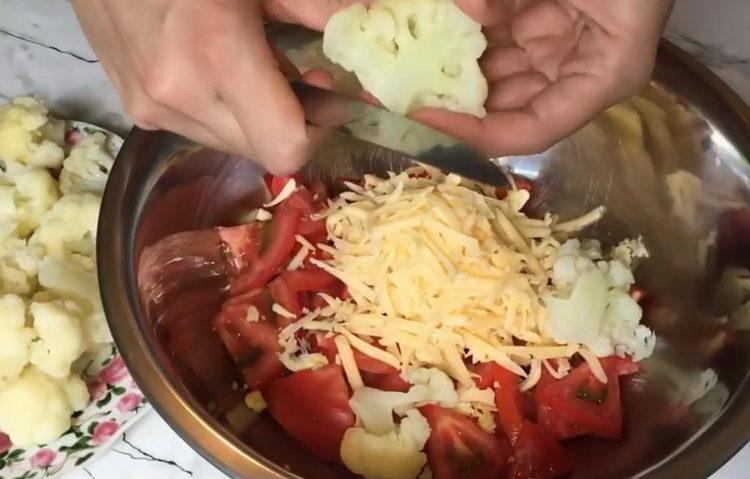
489 13
313 14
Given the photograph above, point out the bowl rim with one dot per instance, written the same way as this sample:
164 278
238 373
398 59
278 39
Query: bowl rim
709 449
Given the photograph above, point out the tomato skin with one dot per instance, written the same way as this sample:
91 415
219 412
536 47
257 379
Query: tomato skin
561 409
538 455
285 296
252 344
511 403
313 407
459 449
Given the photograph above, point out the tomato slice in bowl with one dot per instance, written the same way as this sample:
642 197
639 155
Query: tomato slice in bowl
512 405
313 407
459 448
253 344
538 455
579 404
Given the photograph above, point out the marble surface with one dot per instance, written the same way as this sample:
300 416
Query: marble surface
42 52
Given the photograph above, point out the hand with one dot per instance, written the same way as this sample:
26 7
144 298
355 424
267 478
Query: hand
204 70
553 65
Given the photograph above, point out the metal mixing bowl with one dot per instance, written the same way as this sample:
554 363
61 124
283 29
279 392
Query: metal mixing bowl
634 160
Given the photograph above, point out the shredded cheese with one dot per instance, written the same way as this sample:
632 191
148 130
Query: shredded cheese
347 361
438 272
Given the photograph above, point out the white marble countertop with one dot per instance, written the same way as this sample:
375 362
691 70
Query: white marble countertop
43 53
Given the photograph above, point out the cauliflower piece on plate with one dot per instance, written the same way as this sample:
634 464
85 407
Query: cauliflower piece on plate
15 337
25 196
411 54
87 167
396 455
18 265
28 137
36 408
69 227
61 338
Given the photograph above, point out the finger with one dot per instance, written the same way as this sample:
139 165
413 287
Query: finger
502 62
516 90
319 77
541 20
313 14
266 109
549 117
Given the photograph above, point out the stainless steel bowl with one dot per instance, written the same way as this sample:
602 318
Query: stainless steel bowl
633 159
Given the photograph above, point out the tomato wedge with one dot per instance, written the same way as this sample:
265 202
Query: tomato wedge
279 247
459 448
313 407
512 405
538 455
254 345
386 382
579 404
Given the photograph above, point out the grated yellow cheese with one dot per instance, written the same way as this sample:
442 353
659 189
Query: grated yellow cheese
439 272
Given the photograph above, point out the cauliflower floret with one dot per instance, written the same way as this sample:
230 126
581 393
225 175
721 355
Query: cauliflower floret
87 167
396 455
25 196
71 277
411 54
15 337
36 409
60 337
19 265
69 227
592 305
28 137
375 408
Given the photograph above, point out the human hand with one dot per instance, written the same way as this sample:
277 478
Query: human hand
552 66
204 70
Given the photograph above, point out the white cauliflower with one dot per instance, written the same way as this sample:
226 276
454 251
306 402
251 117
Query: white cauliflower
70 277
69 227
18 265
396 455
36 409
28 137
61 338
375 408
25 196
87 167
15 337
411 54
592 305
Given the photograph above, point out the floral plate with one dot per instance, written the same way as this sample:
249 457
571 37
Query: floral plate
116 402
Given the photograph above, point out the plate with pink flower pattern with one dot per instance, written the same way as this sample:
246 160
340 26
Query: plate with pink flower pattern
115 401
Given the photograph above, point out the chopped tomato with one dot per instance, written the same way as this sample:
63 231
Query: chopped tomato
300 200
314 279
276 183
284 295
521 184
578 404
459 448
279 247
327 347
386 382
253 345
538 455
313 407
512 405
